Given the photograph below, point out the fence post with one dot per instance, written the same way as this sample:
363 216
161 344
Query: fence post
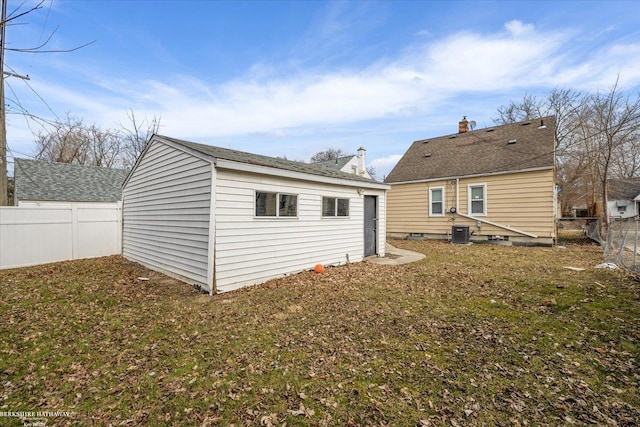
635 247
75 235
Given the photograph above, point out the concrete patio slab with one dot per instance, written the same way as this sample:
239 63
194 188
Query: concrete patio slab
396 256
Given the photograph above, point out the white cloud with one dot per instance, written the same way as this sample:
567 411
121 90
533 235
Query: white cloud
414 84
385 162
418 82
518 28
384 165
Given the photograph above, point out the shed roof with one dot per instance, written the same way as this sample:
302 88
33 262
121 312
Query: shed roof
508 148
624 189
272 162
37 180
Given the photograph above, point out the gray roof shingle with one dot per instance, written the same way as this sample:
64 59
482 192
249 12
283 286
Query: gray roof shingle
479 152
338 163
272 162
624 189
38 180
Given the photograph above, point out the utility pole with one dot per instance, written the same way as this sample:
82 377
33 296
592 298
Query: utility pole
3 124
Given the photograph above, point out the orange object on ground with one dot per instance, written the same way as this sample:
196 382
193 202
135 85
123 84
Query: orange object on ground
319 268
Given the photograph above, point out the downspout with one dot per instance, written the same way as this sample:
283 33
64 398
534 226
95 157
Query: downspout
505 227
457 194
495 224
211 252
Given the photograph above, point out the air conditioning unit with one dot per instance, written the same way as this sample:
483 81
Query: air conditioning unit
460 234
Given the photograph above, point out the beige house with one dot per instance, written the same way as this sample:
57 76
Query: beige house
492 184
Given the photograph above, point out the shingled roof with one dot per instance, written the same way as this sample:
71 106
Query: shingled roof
272 162
37 180
508 148
338 163
624 189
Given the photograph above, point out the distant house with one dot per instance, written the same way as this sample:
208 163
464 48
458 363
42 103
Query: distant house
497 181
223 219
45 183
350 164
623 198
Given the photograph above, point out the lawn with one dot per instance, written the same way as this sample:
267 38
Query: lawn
471 335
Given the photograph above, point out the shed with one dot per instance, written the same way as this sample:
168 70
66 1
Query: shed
223 219
49 183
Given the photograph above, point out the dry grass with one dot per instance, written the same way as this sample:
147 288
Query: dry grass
486 335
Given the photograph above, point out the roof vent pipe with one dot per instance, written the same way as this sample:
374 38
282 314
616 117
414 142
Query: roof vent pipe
542 126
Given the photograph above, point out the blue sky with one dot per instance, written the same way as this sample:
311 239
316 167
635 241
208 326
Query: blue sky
294 78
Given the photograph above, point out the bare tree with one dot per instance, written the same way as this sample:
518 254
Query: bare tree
597 138
72 141
135 136
372 172
65 143
529 107
104 147
566 105
614 124
328 154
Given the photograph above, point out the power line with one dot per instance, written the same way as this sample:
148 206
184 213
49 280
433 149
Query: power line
17 101
44 25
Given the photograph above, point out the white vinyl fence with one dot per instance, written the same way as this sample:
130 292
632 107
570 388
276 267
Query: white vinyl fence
31 234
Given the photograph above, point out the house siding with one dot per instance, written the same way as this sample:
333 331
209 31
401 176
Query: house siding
629 211
251 250
167 207
522 201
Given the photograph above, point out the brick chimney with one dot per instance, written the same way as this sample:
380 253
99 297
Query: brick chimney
463 125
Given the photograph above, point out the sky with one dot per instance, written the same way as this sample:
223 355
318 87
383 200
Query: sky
292 78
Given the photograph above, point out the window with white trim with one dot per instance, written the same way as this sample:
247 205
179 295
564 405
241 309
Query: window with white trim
436 201
333 206
478 199
276 204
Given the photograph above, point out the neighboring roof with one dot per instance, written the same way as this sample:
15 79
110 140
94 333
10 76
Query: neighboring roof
272 162
338 163
43 181
479 152
623 189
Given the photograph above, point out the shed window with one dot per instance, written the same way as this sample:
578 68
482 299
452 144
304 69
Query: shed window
478 199
436 201
276 204
333 206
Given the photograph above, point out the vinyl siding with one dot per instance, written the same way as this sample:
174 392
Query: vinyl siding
523 201
251 249
167 212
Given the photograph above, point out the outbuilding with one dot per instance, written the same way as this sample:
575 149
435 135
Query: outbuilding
224 219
